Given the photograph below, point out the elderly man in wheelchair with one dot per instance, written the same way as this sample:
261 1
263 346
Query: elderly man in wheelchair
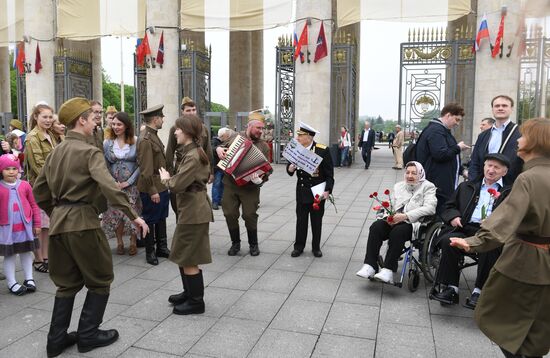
414 199
470 204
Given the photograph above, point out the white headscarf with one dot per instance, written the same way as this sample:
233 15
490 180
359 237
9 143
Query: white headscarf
419 172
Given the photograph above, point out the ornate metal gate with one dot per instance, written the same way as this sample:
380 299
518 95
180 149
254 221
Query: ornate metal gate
534 83
435 69
343 88
72 75
194 75
140 91
284 97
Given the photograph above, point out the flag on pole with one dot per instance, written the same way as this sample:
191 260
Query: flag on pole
482 33
498 40
321 50
143 50
160 52
301 42
20 61
38 60
295 45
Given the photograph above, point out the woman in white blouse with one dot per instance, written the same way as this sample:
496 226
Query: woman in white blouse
344 144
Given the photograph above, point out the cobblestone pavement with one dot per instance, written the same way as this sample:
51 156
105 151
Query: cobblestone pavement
271 305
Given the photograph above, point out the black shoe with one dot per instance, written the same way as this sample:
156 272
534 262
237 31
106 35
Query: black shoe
151 258
448 296
471 302
215 206
160 238
20 291
30 287
58 338
179 298
296 253
194 303
89 334
234 249
150 255
317 253
254 250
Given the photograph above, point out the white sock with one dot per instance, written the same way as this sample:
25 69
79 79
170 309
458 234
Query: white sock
26 263
454 288
477 290
9 270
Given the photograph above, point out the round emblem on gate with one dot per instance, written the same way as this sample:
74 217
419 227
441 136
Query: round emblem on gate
424 103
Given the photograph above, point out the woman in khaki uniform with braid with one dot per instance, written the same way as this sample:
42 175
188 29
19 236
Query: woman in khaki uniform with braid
190 243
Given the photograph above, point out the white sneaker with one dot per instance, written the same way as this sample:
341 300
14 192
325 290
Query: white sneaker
367 271
384 275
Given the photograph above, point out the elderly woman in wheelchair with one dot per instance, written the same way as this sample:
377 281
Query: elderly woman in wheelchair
413 200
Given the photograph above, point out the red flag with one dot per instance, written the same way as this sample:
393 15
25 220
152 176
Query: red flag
496 48
160 52
143 50
301 42
321 50
20 61
38 60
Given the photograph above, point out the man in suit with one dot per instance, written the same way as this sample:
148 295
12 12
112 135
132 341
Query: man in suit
494 140
305 205
366 143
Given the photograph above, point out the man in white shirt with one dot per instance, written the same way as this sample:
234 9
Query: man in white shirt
366 143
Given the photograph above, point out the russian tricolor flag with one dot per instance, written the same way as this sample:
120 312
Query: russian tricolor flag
482 33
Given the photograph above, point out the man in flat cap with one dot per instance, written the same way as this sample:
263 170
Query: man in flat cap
470 204
304 196
174 151
67 189
247 196
97 136
154 195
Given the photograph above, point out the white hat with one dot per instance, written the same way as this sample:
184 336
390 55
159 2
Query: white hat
306 129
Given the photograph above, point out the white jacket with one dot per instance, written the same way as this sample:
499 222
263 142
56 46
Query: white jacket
416 204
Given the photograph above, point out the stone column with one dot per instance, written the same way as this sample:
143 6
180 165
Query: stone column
240 76
162 83
256 70
497 75
97 81
40 86
312 91
5 93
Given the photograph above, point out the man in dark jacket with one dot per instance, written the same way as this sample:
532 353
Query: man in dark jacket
305 205
366 143
470 204
439 153
494 140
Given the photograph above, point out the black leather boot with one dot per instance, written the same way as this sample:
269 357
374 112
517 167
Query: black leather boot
58 338
235 242
179 298
253 242
194 304
150 256
160 237
89 334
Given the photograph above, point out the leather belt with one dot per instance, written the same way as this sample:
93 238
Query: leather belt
64 202
195 188
541 242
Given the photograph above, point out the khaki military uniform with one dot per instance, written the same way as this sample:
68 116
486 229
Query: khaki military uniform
70 187
37 149
150 159
191 244
96 139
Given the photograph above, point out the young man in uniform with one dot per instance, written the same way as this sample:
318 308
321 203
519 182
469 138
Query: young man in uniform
154 195
79 252
97 136
247 195
304 196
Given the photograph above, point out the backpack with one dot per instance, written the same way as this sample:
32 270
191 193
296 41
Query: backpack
409 154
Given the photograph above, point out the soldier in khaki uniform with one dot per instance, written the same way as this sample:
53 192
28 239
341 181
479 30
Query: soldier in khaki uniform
97 136
174 150
154 195
68 188
248 195
191 244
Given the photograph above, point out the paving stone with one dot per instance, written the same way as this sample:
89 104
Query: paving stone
277 281
176 334
316 289
288 263
130 292
400 340
336 253
327 269
237 278
275 343
263 261
362 292
301 316
333 346
218 300
11 304
221 263
154 307
21 323
400 308
133 352
257 305
164 271
348 319
274 246
229 337
126 272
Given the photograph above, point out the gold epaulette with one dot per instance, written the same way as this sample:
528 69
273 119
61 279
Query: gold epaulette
320 146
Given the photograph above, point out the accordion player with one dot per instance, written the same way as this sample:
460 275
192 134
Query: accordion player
242 160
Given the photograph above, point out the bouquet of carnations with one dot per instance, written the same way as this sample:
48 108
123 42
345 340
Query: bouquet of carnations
317 201
494 194
385 207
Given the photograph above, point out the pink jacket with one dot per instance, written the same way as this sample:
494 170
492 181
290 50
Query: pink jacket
30 209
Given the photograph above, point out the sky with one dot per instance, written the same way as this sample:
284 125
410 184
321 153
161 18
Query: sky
379 64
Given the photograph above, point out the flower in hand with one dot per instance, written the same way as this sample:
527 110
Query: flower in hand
316 202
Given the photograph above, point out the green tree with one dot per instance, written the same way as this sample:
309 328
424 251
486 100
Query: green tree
13 88
216 107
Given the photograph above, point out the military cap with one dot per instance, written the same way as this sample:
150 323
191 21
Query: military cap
111 109
72 109
499 158
256 116
306 129
15 123
153 111
187 101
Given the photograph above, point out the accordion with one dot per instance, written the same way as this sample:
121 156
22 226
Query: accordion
242 160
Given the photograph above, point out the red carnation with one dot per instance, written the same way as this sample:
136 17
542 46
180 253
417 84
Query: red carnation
316 196
497 194
315 206
389 219
375 194
492 191
371 196
376 208
387 192
385 204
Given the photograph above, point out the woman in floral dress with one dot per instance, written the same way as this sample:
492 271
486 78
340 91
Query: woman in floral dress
121 155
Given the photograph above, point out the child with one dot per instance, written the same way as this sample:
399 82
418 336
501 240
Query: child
19 224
